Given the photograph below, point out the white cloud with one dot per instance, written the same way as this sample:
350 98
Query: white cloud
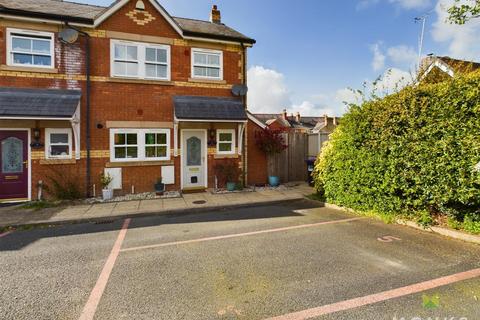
392 80
268 92
463 40
378 62
403 55
308 108
348 96
412 4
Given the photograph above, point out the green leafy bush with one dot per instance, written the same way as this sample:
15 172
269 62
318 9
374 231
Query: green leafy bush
411 153
64 184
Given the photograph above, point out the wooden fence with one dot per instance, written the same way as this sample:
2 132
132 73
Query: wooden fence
290 165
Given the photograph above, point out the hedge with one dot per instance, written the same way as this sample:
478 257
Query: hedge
412 152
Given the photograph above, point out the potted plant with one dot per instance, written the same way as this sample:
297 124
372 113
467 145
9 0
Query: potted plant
107 192
271 142
159 187
229 173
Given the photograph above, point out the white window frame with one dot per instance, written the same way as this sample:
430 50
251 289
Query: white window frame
206 51
141 59
29 34
48 143
141 145
230 131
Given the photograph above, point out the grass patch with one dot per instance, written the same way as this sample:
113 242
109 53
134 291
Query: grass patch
317 197
39 205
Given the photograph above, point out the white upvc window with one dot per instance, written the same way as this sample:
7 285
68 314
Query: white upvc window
226 141
27 48
140 60
207 64
139 145
58 143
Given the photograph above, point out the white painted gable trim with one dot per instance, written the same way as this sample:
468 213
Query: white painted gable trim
442 66
255 120
120 4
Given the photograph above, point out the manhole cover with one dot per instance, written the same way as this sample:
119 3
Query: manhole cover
199 202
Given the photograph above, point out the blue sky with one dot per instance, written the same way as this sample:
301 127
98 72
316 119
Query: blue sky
309 51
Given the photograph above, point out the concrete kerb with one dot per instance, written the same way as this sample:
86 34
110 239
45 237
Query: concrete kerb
170 212
454 234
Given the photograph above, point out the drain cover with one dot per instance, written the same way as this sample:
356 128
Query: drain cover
199 202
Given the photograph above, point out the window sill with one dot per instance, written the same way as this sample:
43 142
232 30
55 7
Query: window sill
142 81
139 164
57 161
226 156
212 81
27 69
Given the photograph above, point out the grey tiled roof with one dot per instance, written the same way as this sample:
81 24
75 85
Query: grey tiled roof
206 28
55 7
71 11
209 108
48 103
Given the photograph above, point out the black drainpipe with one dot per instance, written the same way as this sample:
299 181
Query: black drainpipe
87 111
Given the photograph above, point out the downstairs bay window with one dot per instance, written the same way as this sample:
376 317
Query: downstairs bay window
139 145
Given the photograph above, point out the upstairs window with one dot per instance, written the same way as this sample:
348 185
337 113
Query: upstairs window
207 64
30 48
125 61
140 60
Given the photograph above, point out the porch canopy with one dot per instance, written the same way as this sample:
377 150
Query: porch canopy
210 109
42 104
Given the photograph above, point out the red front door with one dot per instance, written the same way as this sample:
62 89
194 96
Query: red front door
13 165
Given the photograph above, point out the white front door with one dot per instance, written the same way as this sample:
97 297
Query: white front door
194 158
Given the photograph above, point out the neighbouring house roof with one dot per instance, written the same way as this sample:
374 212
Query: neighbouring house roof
305 123
38 103
88 14
209 108
448 65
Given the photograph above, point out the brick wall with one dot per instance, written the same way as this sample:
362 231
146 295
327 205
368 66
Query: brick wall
256 159
119 100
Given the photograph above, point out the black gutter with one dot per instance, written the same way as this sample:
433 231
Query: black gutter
47 16
218 37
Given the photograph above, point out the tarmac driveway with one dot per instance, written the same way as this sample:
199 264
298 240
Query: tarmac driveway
293 261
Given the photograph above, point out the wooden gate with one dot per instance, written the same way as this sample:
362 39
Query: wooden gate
290 165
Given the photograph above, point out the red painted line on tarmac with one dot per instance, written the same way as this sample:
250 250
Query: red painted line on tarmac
91 306
379 297
5 234
238 235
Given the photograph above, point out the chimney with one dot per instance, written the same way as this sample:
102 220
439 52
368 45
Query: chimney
325 117
298 117
284 114
215 16
335 121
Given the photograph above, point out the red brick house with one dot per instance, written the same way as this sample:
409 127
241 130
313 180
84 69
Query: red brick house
126 88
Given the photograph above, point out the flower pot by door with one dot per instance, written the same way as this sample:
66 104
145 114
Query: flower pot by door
231 186
107 194
274 181
159 188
